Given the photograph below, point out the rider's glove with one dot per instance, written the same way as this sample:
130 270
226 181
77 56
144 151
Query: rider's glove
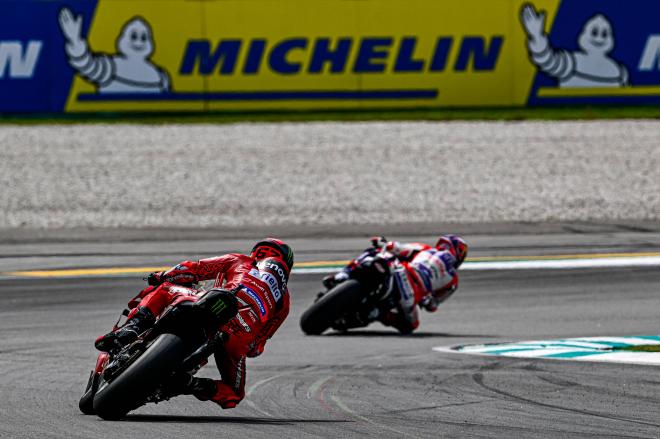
333 279
155 278
329 281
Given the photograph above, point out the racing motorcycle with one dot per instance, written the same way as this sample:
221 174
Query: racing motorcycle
184 335
352 302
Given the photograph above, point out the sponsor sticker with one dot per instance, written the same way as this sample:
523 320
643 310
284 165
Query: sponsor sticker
256 298
270 280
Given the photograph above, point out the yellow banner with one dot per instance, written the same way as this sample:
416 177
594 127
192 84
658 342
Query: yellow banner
188 55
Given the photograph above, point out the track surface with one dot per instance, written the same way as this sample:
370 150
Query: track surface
365 384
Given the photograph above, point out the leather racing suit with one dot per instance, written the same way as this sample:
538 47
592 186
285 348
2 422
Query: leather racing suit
263 304
424 277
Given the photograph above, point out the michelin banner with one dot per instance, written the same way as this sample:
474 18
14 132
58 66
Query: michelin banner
199 55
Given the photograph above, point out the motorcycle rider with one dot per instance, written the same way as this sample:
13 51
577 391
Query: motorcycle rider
255 283
424 276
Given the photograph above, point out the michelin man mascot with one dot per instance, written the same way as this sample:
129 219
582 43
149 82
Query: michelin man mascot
128 71
591 66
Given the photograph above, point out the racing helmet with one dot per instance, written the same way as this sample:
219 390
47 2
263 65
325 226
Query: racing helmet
454 244
271 247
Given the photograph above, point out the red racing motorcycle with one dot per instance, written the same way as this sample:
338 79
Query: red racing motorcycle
349 303
184 335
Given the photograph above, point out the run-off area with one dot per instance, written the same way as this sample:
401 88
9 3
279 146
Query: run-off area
329 174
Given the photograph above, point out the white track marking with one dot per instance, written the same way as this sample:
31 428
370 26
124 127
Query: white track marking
254 407
339 403
582 262
591 349
251 390
259 383
316 386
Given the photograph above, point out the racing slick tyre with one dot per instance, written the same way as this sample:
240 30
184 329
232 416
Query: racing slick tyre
332 305
128 391
86 403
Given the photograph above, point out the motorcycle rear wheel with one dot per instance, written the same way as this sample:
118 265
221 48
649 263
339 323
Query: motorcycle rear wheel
331 306
128 391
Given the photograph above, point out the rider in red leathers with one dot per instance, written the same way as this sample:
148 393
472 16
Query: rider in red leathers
258 283
424 276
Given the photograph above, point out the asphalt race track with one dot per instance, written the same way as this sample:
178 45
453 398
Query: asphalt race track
370 383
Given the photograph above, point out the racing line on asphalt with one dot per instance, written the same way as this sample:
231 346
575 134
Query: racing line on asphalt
537 262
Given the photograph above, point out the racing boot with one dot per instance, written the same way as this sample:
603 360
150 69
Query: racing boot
203 389
128 333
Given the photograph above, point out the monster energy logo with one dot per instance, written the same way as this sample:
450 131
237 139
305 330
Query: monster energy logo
218 307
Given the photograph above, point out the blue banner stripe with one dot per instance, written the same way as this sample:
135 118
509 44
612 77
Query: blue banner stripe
286 95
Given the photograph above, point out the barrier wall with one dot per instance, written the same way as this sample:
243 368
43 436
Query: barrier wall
192 55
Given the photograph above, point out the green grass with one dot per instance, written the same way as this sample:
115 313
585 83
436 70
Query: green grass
551 113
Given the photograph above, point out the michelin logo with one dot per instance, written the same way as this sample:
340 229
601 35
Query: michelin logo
591 66
17 62
369 55
130 70
651 56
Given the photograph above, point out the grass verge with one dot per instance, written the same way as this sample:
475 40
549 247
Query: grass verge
510 114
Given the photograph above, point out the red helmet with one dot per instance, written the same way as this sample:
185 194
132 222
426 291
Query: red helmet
271 247
454 244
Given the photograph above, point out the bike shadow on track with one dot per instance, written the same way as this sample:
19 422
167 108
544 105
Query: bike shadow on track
225 420
386 333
